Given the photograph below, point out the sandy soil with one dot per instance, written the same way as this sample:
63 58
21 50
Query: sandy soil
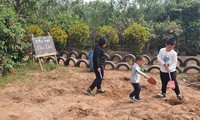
61 95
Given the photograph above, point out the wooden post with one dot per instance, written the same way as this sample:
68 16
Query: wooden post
38 59
40 64
56 61
32 49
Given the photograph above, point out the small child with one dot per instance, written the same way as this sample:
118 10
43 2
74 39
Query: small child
135 78
168 59
98 66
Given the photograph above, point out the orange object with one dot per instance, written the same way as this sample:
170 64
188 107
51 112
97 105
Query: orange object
151 81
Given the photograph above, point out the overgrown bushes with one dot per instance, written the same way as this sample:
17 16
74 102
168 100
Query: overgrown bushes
14 43
59 37
35 30
79 34
109 32
136 36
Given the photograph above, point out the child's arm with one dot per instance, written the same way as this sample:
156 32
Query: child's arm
140 72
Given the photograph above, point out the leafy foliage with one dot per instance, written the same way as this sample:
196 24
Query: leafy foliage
66 20
35 30
78 34
43 24
117 13
166 30
109 32
14 42
194 31
137 36
59 37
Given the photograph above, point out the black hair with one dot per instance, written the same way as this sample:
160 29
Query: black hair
139 58
102 41
171 41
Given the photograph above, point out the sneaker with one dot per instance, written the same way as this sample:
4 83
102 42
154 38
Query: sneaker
139 100
89 92
180 96
131 98
161 95
101 91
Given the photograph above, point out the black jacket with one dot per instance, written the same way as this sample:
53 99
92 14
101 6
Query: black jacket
99 53
98 56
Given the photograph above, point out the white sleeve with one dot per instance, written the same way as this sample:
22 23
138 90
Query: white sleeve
174 62
159 58
139 71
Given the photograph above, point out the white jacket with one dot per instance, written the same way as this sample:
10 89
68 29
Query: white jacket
168 57
136 73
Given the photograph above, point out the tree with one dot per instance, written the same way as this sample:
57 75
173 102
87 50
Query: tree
66 20
78 34
35 30
119 14
59 37
109 32
14 41
136 36
163 31
194 38
189 15
25 8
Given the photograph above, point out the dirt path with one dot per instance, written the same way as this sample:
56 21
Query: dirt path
61 95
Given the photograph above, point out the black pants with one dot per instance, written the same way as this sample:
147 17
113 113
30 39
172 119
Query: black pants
165 79
97 82
136 91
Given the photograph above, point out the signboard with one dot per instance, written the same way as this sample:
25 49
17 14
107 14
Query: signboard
43 46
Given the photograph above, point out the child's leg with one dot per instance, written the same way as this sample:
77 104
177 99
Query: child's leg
97 81
137 96
176 90
164 80
102 73
136 91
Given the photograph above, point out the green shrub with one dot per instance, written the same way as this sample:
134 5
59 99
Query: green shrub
59 37
42 24
35 30
50 66
78 34
194 37
14 41
109 32
136 36
66 20
166 30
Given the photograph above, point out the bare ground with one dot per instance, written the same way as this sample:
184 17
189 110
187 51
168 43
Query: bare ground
61 95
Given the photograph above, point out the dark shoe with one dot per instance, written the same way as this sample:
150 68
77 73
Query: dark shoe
89 92
180 97
101 91
131 98
161 95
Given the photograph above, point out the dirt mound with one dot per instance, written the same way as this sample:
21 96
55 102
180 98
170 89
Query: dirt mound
61 95
194 81
177 101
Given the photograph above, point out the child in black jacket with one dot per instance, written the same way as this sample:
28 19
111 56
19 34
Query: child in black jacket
98 66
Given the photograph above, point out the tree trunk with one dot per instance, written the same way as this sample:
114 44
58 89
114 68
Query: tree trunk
186 38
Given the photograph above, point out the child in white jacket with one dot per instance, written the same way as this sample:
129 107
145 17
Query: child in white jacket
168 60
